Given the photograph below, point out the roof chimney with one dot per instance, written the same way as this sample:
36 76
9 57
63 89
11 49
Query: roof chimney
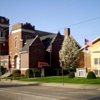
67 31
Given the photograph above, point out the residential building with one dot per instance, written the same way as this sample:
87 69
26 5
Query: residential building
89 59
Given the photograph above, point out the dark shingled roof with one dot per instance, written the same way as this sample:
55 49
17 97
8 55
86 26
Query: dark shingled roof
42 33
46 40
27 44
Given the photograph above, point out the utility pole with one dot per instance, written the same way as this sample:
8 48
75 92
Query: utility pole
62 73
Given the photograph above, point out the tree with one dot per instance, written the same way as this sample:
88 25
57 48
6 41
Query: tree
3 70
35 70
29 73
68 55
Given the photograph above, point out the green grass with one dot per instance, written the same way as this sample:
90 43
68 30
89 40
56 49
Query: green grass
58 79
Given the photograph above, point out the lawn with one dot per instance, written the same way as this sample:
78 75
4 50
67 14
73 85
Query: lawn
58 79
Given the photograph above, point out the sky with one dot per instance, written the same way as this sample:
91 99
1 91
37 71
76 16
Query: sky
81 16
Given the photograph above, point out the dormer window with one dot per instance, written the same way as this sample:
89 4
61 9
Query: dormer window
16 42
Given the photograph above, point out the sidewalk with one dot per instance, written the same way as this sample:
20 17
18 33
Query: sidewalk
62 85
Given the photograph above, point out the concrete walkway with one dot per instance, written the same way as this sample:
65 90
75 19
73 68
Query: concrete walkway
62 85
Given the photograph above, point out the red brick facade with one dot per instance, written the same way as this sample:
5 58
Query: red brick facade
24 37
25 48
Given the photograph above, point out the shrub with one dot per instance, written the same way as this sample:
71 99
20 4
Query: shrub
36 72
16 73
3 70
29 73
91 75
71 75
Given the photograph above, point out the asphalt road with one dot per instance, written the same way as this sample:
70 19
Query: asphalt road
10 91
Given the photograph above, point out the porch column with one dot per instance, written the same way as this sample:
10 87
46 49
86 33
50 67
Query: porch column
42 72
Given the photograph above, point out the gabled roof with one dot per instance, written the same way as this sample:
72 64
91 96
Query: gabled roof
46 40
97 39
94 41
27 44
49 39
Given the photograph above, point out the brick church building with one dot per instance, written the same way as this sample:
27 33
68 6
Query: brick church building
27 48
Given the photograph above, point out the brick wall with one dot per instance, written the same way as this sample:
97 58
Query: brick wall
56 46
24 60
37 53
4 61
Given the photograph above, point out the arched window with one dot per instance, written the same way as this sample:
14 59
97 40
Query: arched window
16 42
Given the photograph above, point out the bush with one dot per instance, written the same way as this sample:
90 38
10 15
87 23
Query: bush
36 72
91 75
3 70
29 73
16 73
71 75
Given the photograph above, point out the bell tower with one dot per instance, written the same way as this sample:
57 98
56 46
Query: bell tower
4 34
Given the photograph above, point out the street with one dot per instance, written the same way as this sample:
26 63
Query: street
11 91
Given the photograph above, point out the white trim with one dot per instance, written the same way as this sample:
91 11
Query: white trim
21 39
33 40
4 25
23 51
92 42
16 54
25 30
24 68
82 70
42 72
15 31
96 39
6 59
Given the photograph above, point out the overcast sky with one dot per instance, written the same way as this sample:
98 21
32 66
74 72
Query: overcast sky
81 16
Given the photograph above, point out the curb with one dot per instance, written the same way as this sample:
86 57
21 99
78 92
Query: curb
61 85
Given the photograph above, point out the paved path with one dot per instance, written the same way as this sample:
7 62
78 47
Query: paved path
17 95
15 91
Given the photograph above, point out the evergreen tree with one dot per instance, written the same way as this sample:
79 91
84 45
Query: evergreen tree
68 55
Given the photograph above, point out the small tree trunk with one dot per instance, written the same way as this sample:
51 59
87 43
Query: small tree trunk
34 74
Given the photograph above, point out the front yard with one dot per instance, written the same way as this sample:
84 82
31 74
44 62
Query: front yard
59 79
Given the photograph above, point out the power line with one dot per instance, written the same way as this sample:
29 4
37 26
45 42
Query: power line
53 8
73 7
76 38
62 39
78 23
88 35
66 9
57 6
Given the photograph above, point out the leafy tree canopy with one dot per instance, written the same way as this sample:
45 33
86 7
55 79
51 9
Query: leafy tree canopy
68 55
